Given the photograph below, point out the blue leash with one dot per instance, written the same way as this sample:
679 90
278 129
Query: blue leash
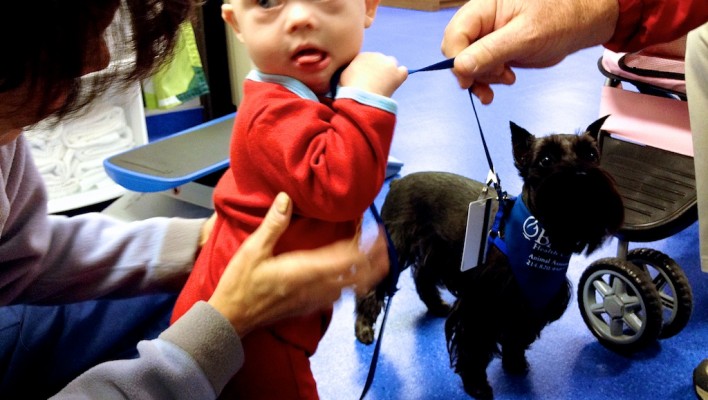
445 64
394 273
394 269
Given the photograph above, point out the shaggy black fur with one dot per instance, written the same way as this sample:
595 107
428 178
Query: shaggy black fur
426 213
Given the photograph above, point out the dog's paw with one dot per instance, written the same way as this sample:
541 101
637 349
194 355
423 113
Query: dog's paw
515 364
476 385
364 333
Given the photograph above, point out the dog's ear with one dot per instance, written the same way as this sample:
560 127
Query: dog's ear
521 143
594 129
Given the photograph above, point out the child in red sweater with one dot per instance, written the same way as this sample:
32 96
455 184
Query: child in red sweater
327 150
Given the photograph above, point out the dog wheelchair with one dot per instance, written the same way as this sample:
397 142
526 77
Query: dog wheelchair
641 295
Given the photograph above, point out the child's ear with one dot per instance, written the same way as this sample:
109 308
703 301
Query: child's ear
227 14
371 6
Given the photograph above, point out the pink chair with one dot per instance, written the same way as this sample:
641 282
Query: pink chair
642 295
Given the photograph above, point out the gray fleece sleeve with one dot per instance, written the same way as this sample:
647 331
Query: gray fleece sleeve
209 337
193 359
50 259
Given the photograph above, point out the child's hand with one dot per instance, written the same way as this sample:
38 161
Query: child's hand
374 73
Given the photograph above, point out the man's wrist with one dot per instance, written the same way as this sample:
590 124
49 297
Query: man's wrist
600 20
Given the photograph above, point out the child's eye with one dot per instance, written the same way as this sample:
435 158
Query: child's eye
269 3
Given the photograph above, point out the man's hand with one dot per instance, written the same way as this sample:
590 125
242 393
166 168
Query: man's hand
488 37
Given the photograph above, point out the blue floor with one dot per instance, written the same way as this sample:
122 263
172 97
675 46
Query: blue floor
436 131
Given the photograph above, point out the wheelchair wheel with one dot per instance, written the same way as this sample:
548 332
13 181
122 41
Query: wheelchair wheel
673 287
620 305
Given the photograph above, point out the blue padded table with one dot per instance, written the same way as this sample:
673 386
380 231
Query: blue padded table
182 158
175 160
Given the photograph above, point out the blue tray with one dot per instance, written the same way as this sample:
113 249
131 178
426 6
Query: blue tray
182 158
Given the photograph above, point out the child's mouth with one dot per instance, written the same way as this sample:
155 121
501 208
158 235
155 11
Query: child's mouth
309 57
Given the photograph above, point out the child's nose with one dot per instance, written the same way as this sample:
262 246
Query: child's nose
300 15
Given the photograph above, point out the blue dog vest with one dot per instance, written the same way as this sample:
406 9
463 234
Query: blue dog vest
538 268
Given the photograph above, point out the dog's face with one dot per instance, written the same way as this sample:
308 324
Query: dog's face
566 189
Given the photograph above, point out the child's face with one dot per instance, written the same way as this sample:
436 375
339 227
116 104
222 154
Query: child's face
305 39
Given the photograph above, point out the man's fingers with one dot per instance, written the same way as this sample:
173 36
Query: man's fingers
484 92
464 28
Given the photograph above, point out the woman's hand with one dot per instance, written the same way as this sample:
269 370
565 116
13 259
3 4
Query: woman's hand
206 230
258 288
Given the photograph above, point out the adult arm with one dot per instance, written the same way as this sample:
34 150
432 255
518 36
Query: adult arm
644 23
488 37
52 259
193 359
196 356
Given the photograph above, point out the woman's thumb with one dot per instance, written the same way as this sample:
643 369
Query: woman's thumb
275 222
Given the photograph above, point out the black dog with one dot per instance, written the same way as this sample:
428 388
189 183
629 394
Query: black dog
568 204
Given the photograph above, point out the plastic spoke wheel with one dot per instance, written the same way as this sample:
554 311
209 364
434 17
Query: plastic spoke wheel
620 304
673 287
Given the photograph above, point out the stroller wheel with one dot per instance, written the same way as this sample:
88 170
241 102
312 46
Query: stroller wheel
673 287
620 305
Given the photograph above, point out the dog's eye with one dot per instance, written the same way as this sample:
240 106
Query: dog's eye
587 151
545 162
591 155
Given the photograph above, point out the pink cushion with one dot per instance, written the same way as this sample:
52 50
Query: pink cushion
610 62
651 120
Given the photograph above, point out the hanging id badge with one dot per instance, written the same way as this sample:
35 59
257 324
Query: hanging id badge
475 247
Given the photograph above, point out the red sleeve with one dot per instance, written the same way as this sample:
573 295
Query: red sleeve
644 23
330 160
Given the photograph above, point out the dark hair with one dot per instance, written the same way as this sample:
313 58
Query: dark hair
46 44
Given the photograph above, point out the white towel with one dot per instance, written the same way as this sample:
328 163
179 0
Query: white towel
57 188
112 142
45 144
95 128
70 155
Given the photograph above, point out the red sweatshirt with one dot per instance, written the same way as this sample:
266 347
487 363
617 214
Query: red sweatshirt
644 23
329 155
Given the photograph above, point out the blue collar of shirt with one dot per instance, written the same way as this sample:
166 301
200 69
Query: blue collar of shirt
343 92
